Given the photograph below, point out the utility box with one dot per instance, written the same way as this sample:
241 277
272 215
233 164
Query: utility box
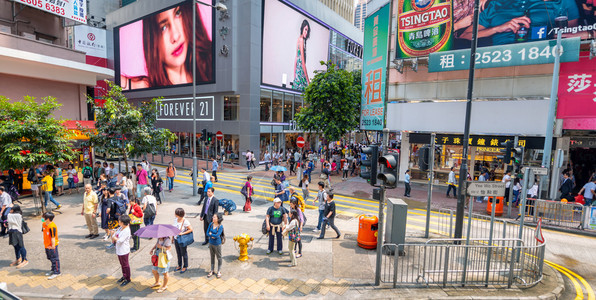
397 217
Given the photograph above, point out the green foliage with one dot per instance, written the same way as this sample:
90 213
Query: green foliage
125 130
331 103
30 135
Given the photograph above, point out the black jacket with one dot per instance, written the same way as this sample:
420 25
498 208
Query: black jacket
213 207
566 188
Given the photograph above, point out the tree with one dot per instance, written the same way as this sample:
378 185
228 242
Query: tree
125 130
331 103
30 135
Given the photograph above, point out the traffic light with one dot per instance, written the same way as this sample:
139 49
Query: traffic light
518 157
506 157
209 137
372 157
203 135
389 170
424 158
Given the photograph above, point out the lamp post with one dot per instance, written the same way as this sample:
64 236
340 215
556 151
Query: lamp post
220 7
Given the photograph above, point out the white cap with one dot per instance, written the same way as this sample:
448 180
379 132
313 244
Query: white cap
276 200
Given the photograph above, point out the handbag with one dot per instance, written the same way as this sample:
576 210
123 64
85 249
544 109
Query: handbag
75 178
264 227
24 227
162 260
154 259
134 220
185 239
244 192
294 235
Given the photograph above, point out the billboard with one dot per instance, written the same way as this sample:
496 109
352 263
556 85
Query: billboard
156 51
293 46
428 26
74 9
374 66
91 40
577 94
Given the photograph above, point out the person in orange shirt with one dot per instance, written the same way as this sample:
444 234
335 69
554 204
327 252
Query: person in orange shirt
50 242
170 174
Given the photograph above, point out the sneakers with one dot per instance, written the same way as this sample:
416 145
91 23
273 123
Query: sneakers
59 205
125 282
280 252
268 251
53 276
316 230
93 236
121 279
22 264
110 246
50 273
105 237
88 236
15 263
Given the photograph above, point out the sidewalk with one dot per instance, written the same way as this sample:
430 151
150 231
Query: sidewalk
325 270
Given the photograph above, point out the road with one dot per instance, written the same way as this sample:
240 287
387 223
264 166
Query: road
570 254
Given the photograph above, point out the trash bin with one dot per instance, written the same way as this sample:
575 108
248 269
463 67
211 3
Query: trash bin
368 226
498 207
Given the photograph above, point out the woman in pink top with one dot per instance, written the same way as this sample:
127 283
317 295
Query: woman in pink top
142 180
247 192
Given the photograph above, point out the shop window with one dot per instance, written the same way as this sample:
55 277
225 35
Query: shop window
265 106
231 104
276 110
288 103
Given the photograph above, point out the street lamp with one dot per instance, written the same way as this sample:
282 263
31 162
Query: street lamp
222 8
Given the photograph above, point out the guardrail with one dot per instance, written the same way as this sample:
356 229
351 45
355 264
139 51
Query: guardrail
506 262
556 213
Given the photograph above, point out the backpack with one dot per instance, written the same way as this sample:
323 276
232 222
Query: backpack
31 175
301 203
87 173
120 207
149 210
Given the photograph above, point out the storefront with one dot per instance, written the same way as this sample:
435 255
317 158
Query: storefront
482 154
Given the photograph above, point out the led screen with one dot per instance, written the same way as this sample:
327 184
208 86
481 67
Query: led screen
293 46
156 51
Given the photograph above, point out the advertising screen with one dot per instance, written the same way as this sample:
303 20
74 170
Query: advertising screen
156 51
428 26
293 46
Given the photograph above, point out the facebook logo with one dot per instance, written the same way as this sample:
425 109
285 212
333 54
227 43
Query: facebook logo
539 32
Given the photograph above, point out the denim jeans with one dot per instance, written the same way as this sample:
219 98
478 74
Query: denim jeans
20 252
272 237
48 196
321 215
140 188
170 183
71 184
148 221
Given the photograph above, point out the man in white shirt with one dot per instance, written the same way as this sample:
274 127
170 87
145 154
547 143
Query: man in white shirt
507 180
122 240
149 205
5 207
267 159
451 183
214 167
248 159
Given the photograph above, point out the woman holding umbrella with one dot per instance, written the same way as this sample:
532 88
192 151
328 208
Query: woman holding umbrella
161 250
163 244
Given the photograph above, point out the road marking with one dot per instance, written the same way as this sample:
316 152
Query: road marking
579 294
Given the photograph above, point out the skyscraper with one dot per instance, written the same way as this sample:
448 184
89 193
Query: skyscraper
360 14
344 8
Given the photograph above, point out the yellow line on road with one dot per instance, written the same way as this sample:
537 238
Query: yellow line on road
579 294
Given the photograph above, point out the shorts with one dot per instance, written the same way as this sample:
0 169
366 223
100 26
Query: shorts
113 224
161 271
35 187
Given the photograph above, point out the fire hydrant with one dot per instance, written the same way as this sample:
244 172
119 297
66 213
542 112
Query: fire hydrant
243 241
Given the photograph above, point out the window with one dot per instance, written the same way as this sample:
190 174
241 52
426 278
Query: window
288 101
265 106
297 104
276 115
231 108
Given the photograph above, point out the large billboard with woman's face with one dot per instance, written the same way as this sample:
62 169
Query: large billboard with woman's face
156 51
293 46
427 26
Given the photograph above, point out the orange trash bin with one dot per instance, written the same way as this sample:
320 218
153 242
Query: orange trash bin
498 206
368 226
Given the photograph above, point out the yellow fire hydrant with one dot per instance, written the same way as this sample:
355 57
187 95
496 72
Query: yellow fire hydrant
243 241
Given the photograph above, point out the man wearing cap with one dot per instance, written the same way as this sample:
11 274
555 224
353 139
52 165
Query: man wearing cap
276 214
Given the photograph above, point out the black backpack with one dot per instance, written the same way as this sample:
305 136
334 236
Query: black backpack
31 175
87 172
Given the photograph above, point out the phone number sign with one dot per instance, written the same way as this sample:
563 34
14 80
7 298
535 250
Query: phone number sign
533 53
72 9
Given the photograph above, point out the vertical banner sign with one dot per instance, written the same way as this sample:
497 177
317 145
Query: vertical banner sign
376 41
423 27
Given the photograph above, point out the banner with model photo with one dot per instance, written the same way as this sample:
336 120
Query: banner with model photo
293 46
428 26
156 51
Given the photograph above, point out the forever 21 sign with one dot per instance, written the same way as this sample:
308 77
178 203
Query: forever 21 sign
181 109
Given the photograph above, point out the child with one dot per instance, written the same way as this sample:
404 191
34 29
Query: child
50 242
122 240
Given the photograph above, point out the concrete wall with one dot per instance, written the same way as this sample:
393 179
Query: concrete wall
71 96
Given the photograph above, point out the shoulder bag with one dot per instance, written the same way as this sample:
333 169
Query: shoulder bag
162 261
185 239
24 227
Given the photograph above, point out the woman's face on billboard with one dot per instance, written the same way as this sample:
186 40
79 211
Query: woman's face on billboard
173 46
305 31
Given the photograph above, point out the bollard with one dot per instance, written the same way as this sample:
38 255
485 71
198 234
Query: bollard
243 241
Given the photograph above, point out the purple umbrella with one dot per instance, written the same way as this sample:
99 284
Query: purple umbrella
157 231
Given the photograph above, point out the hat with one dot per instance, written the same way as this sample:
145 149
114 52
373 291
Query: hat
276 200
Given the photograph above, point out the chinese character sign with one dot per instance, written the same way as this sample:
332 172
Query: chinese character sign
577 93
71 9
376 36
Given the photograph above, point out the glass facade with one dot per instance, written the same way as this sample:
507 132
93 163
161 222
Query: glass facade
231 108
266 105
344 53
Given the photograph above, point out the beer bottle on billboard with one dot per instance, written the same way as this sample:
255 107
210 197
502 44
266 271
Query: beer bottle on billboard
424 27
522 33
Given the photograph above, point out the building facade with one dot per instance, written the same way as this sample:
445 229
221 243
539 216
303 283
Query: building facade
257 58
344 8
360 14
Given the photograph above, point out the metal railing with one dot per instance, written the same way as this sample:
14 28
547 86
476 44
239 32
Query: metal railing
506 262
556 213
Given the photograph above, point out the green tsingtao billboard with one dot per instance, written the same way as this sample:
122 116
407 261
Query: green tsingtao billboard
374 59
